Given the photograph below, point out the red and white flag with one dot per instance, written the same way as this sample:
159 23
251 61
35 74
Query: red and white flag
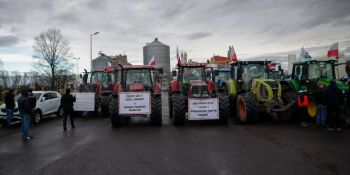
233 55
153 61
333 50
178 56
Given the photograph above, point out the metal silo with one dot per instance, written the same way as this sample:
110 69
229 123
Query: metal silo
161 53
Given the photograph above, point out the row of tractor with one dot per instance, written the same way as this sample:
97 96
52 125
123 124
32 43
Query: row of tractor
246 90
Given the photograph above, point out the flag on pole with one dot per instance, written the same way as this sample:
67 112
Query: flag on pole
305 54
152 61
333 50
178 56
233 55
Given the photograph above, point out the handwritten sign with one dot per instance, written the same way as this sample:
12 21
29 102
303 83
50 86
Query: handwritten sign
85 101
203 109
131 103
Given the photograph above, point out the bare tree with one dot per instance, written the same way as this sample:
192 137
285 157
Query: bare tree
51 50
16 78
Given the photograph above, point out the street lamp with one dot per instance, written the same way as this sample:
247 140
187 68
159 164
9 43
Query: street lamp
77 66
91 49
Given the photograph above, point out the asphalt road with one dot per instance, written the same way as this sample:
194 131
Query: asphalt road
94 147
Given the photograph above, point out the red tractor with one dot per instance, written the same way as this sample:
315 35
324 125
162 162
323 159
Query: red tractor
101 83
193 97
138 94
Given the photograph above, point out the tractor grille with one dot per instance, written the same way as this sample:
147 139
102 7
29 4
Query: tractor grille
200 91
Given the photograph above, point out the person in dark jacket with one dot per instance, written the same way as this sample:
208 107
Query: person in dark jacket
67 101
334 99
319 95
10 105
24 111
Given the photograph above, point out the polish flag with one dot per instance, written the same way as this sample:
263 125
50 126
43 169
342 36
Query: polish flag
233 55
333 50
152 61
178 56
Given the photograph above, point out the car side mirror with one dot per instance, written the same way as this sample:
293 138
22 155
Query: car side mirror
43 99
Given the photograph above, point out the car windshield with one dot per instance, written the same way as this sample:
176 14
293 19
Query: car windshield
190 73
139 76
320 70
37 96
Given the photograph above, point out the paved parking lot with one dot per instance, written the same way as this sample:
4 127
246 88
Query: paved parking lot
94 147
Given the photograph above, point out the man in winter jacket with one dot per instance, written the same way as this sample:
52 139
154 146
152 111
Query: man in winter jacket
319 96
24 111
10 105
67 101
334 99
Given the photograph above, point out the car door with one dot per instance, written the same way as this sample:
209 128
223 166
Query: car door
52 102
43 103
56 99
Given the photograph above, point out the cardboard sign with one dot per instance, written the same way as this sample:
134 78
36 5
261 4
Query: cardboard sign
131 103
203 109
85 101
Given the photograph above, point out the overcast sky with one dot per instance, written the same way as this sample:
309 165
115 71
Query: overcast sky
200 27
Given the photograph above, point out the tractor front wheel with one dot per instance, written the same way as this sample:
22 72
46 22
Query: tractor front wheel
246 108
156 115
179 109
224 108
114 112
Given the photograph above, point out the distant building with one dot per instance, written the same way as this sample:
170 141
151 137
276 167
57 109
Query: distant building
184 57
99 63
291 59
160 52
219 60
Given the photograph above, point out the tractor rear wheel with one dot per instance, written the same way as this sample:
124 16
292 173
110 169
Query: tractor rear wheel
246 108
224 108
179 109
290 113
114 112
156 113
104 106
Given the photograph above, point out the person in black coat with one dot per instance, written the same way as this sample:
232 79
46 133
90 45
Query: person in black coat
10 105
25 110
67 101
334 99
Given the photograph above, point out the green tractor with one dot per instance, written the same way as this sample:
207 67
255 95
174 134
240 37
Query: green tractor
306 75
252 92
193 97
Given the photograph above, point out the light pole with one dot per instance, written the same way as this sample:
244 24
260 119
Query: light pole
77 67
91 49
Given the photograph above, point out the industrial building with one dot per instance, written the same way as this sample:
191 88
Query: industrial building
99 63
160 52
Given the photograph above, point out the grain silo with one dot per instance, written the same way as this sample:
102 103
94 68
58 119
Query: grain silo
161 53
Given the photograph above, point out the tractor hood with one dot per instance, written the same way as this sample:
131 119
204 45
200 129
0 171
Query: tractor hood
198 88
341 85
136 87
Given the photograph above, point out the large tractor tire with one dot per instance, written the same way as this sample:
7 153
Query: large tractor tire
116 120
224 108
246 108
170 104
105 106
290 114
156 113
179 109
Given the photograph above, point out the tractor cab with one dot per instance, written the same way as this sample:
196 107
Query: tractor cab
138 78
275 71
243 72
107 79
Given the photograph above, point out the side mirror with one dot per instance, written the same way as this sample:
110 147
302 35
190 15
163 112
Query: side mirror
174 73
43 99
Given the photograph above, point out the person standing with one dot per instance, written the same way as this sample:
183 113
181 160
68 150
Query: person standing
67 101
303 102
10 105
32 102
334 99
319 94
24 111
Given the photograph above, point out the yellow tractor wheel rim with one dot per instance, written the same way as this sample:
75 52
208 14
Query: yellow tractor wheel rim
312 109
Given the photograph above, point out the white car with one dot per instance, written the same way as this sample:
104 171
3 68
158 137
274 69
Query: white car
47 103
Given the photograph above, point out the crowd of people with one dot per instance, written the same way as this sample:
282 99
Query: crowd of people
26 108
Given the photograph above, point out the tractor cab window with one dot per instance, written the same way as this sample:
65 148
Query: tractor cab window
105 78
193 74
139 76
298 71
251 71
225 75
320 70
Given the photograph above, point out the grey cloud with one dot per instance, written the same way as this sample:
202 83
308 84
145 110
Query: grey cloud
6 41
198 35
